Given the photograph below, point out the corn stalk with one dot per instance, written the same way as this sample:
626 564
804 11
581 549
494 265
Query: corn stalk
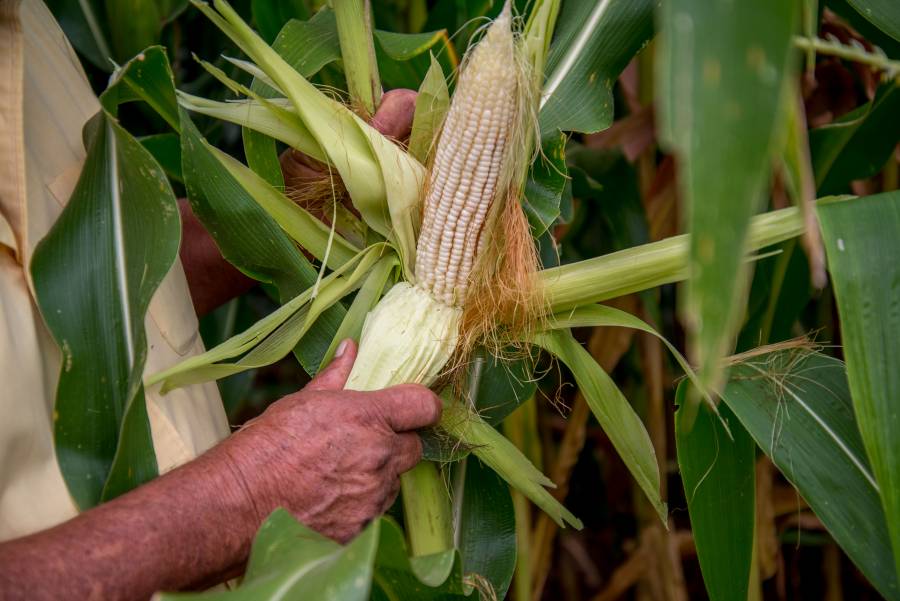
429 249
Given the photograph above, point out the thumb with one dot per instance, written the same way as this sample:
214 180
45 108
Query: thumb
335 375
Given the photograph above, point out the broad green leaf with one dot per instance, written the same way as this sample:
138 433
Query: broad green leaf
133 24
650 265
501 384
862 245
857 145
122 220
503 457
594 41
310 233
432 105
485 525
602 315
617 418
289 560
870 32
884 14
146 77
166 149
545 184
249 238
404 59
83 23
718 473
796 405
722 72
270 17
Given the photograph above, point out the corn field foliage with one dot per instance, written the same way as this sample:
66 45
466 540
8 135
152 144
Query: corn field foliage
710 404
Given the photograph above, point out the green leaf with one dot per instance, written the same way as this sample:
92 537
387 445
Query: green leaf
83 24
166 149
122 220
146 77
594 41
290 561
404 59
721 80
718 473
857 145
354 24
432 104
796 405
884 14
270 17
133 25
249 238
862 246
501 385
504 458
617 418
485 526
545 184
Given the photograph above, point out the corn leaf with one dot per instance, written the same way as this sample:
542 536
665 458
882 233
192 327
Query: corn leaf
83 24
718 472
593 42
797 407
249 238
122 220
166 149
856 145
884 14
271 17
354 25
617 418
365 300
289 560
862 247
503 457
722 73
432 105
272 337
546 181
405 58
485 525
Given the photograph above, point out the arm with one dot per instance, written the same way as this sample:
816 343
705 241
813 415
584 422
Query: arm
331 457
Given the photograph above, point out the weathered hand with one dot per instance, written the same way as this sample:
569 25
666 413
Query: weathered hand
331 456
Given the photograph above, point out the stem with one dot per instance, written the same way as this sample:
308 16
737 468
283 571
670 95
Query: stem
850 53
426 508
354 25
651 265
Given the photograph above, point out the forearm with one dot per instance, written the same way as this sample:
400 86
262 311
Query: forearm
181 530
211 279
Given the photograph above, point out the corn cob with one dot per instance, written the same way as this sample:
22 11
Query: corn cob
413 332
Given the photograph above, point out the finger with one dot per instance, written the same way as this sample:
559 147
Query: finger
395 114
407 451
407 407
335 375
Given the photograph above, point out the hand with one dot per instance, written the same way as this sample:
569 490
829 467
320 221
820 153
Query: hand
331 456
393 119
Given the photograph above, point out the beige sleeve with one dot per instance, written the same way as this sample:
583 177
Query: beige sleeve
45 100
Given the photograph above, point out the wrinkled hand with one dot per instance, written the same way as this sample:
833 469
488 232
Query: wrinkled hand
331 456
393 119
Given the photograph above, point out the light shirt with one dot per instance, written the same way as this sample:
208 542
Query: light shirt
45 100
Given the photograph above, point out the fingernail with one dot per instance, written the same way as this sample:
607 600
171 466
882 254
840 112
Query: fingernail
342 348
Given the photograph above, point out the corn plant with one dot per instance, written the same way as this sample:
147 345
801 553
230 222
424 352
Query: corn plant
440 256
